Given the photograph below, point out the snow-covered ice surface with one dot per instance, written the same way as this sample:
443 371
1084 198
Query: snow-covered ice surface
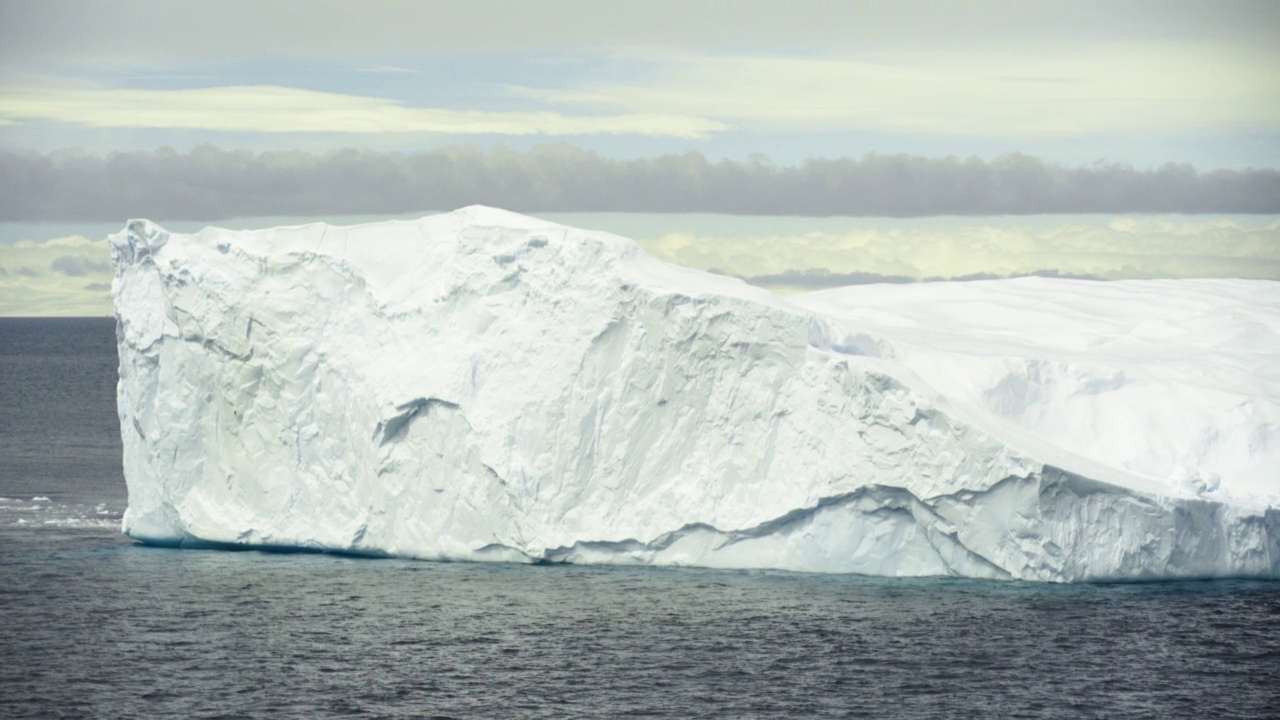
482 385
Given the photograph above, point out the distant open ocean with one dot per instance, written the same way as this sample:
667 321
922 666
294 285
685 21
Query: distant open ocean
95 626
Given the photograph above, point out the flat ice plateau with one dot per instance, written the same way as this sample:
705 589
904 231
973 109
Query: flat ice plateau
481 385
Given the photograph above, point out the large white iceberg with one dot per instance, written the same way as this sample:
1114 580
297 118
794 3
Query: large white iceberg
482 385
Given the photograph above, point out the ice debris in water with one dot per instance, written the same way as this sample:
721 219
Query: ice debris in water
481 385
15 512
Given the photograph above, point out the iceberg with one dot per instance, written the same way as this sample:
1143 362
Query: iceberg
481 385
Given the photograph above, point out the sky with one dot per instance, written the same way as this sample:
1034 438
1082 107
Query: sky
222 112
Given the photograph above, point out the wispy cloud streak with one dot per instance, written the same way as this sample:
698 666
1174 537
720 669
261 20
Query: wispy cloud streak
275 109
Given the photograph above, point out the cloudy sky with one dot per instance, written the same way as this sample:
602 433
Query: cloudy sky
1091 113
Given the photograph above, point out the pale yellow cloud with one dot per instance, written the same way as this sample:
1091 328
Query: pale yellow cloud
271 108
71 275
1142 87
63 276
1118 248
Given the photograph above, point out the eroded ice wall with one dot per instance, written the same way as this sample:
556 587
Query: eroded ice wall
482 385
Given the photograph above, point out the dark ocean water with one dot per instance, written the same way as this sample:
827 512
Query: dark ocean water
92 625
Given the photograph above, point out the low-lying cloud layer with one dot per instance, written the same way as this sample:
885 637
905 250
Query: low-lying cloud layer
1111 249
72 276
209 184
63 276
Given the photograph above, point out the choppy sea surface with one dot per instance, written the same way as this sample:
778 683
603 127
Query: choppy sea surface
93 625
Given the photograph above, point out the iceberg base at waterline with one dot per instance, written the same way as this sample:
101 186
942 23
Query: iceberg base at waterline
481 385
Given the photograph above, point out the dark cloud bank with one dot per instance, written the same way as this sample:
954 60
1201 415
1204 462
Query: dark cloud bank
209 184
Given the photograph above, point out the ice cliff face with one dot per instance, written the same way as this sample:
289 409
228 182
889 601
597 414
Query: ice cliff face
486 386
